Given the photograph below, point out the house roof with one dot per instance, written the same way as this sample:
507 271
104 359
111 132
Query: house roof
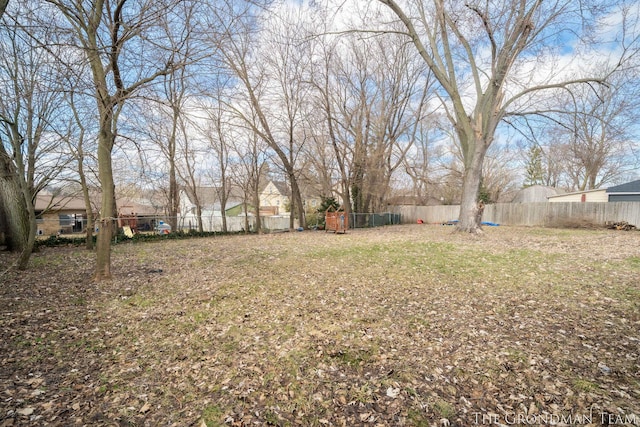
210 196
577 192
127 205
281 186
629 187
207 196
49 202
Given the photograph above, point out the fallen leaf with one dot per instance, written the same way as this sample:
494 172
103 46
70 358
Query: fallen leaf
393 392
25 411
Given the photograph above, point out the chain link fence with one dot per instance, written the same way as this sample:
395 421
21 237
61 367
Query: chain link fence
367 220
76 224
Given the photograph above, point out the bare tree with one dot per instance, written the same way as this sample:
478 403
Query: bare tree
596 134
5 167
76 138
30 152
250 154
174 95
452 38
374 97
217 135
116 41
276 126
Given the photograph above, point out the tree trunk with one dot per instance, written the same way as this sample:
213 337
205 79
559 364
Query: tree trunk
224 220
106 223
89 229
25 254
246 216
297 204
87 203
14 210
468 220
199 216
174 196
256 205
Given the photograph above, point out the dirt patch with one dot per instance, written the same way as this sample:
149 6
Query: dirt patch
405 325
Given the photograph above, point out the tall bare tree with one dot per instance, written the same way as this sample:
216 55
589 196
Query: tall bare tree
250 154
596 133
473 50
275 125
217 135
373 95
30 152
117 40
77 139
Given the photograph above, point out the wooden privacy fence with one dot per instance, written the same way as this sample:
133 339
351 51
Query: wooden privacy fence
531 214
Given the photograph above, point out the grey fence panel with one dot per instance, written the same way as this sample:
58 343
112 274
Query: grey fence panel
531 214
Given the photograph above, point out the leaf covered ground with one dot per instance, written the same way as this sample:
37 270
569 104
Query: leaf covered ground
400 326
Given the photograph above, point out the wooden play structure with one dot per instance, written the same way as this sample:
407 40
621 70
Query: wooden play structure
336 221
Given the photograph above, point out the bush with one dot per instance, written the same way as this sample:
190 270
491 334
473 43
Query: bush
54 241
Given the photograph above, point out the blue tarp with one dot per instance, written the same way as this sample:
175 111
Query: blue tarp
455 221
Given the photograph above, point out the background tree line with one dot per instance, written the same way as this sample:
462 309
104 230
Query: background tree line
368 103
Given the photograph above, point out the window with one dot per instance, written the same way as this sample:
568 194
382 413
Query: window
65 220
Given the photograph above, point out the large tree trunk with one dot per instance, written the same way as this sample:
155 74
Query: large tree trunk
298 205
174 196
199 216
13 207
17 212
25 254
106 223
468 220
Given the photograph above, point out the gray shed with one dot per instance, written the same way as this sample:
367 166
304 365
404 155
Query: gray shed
535 193
628 192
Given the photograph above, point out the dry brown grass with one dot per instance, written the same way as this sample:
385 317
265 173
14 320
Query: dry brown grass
405 325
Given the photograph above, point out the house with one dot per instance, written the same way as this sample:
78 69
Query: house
629 192
274 198
59 214
597 195
211 211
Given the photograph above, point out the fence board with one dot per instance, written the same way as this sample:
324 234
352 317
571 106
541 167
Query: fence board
531 214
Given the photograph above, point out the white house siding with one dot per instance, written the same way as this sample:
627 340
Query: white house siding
271 196
590 196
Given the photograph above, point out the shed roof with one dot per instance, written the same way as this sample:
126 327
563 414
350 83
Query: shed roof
577 192
629 187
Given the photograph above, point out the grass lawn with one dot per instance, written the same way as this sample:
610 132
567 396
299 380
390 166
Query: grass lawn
400 326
